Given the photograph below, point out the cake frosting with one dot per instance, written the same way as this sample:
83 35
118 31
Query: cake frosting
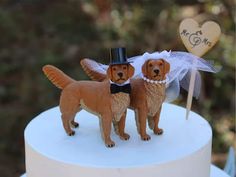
183 150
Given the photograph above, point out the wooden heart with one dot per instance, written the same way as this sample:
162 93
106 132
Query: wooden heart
198 40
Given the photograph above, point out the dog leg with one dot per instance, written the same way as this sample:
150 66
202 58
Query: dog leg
142 118
136 120
156 118
73 123
106 121
151 122
121 129
116 127
66 124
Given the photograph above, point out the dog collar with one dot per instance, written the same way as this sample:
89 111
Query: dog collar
126 82
154 82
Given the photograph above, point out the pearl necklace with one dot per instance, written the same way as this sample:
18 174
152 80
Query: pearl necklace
154 82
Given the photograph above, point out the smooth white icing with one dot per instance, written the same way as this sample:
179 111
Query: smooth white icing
183 150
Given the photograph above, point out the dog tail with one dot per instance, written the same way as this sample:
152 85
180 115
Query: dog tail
57 77
93 69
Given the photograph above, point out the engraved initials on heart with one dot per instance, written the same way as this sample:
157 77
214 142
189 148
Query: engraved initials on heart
198 40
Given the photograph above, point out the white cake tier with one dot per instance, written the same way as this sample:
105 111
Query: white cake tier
184 150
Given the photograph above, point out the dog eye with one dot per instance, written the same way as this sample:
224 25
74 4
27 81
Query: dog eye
124 67
150 65
161 64
113 69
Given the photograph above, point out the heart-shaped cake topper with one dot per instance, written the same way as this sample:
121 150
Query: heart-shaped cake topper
198 40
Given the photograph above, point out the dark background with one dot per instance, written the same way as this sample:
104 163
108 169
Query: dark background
38 32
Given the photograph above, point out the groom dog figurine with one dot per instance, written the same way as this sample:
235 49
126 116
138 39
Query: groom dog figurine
108 99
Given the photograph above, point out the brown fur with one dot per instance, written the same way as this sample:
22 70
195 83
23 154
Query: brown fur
146 98
92 96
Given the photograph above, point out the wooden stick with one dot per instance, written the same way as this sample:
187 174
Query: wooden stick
190 91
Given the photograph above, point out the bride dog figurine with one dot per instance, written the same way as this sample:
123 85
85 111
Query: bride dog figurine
148 94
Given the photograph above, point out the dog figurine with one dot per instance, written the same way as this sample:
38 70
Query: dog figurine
147 96
95 97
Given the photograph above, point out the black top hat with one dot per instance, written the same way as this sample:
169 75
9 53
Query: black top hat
118 56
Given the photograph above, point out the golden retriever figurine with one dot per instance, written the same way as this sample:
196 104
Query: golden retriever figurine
148 93
108 99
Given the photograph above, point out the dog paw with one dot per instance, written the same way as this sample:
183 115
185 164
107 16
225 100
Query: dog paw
146 137
158 131
125 136
72 133
74 124
110 144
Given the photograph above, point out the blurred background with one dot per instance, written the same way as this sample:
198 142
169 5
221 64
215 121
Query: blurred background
61 32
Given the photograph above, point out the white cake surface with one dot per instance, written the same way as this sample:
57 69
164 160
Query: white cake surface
184 150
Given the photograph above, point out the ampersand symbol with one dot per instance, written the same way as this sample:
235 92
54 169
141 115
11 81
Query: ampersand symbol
194 38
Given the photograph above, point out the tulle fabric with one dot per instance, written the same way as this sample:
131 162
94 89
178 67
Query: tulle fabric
181 65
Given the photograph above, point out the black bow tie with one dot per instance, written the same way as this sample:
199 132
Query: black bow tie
116 88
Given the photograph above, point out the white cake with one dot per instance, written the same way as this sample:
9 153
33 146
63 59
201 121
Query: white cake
184 150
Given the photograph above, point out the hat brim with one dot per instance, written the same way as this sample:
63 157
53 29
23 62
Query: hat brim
119 63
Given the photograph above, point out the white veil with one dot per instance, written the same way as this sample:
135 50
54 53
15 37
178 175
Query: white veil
181 64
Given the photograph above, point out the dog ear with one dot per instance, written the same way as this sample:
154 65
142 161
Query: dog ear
166 66
144 68
109 74
130 70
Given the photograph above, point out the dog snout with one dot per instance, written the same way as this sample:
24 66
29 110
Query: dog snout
120 74
156 71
